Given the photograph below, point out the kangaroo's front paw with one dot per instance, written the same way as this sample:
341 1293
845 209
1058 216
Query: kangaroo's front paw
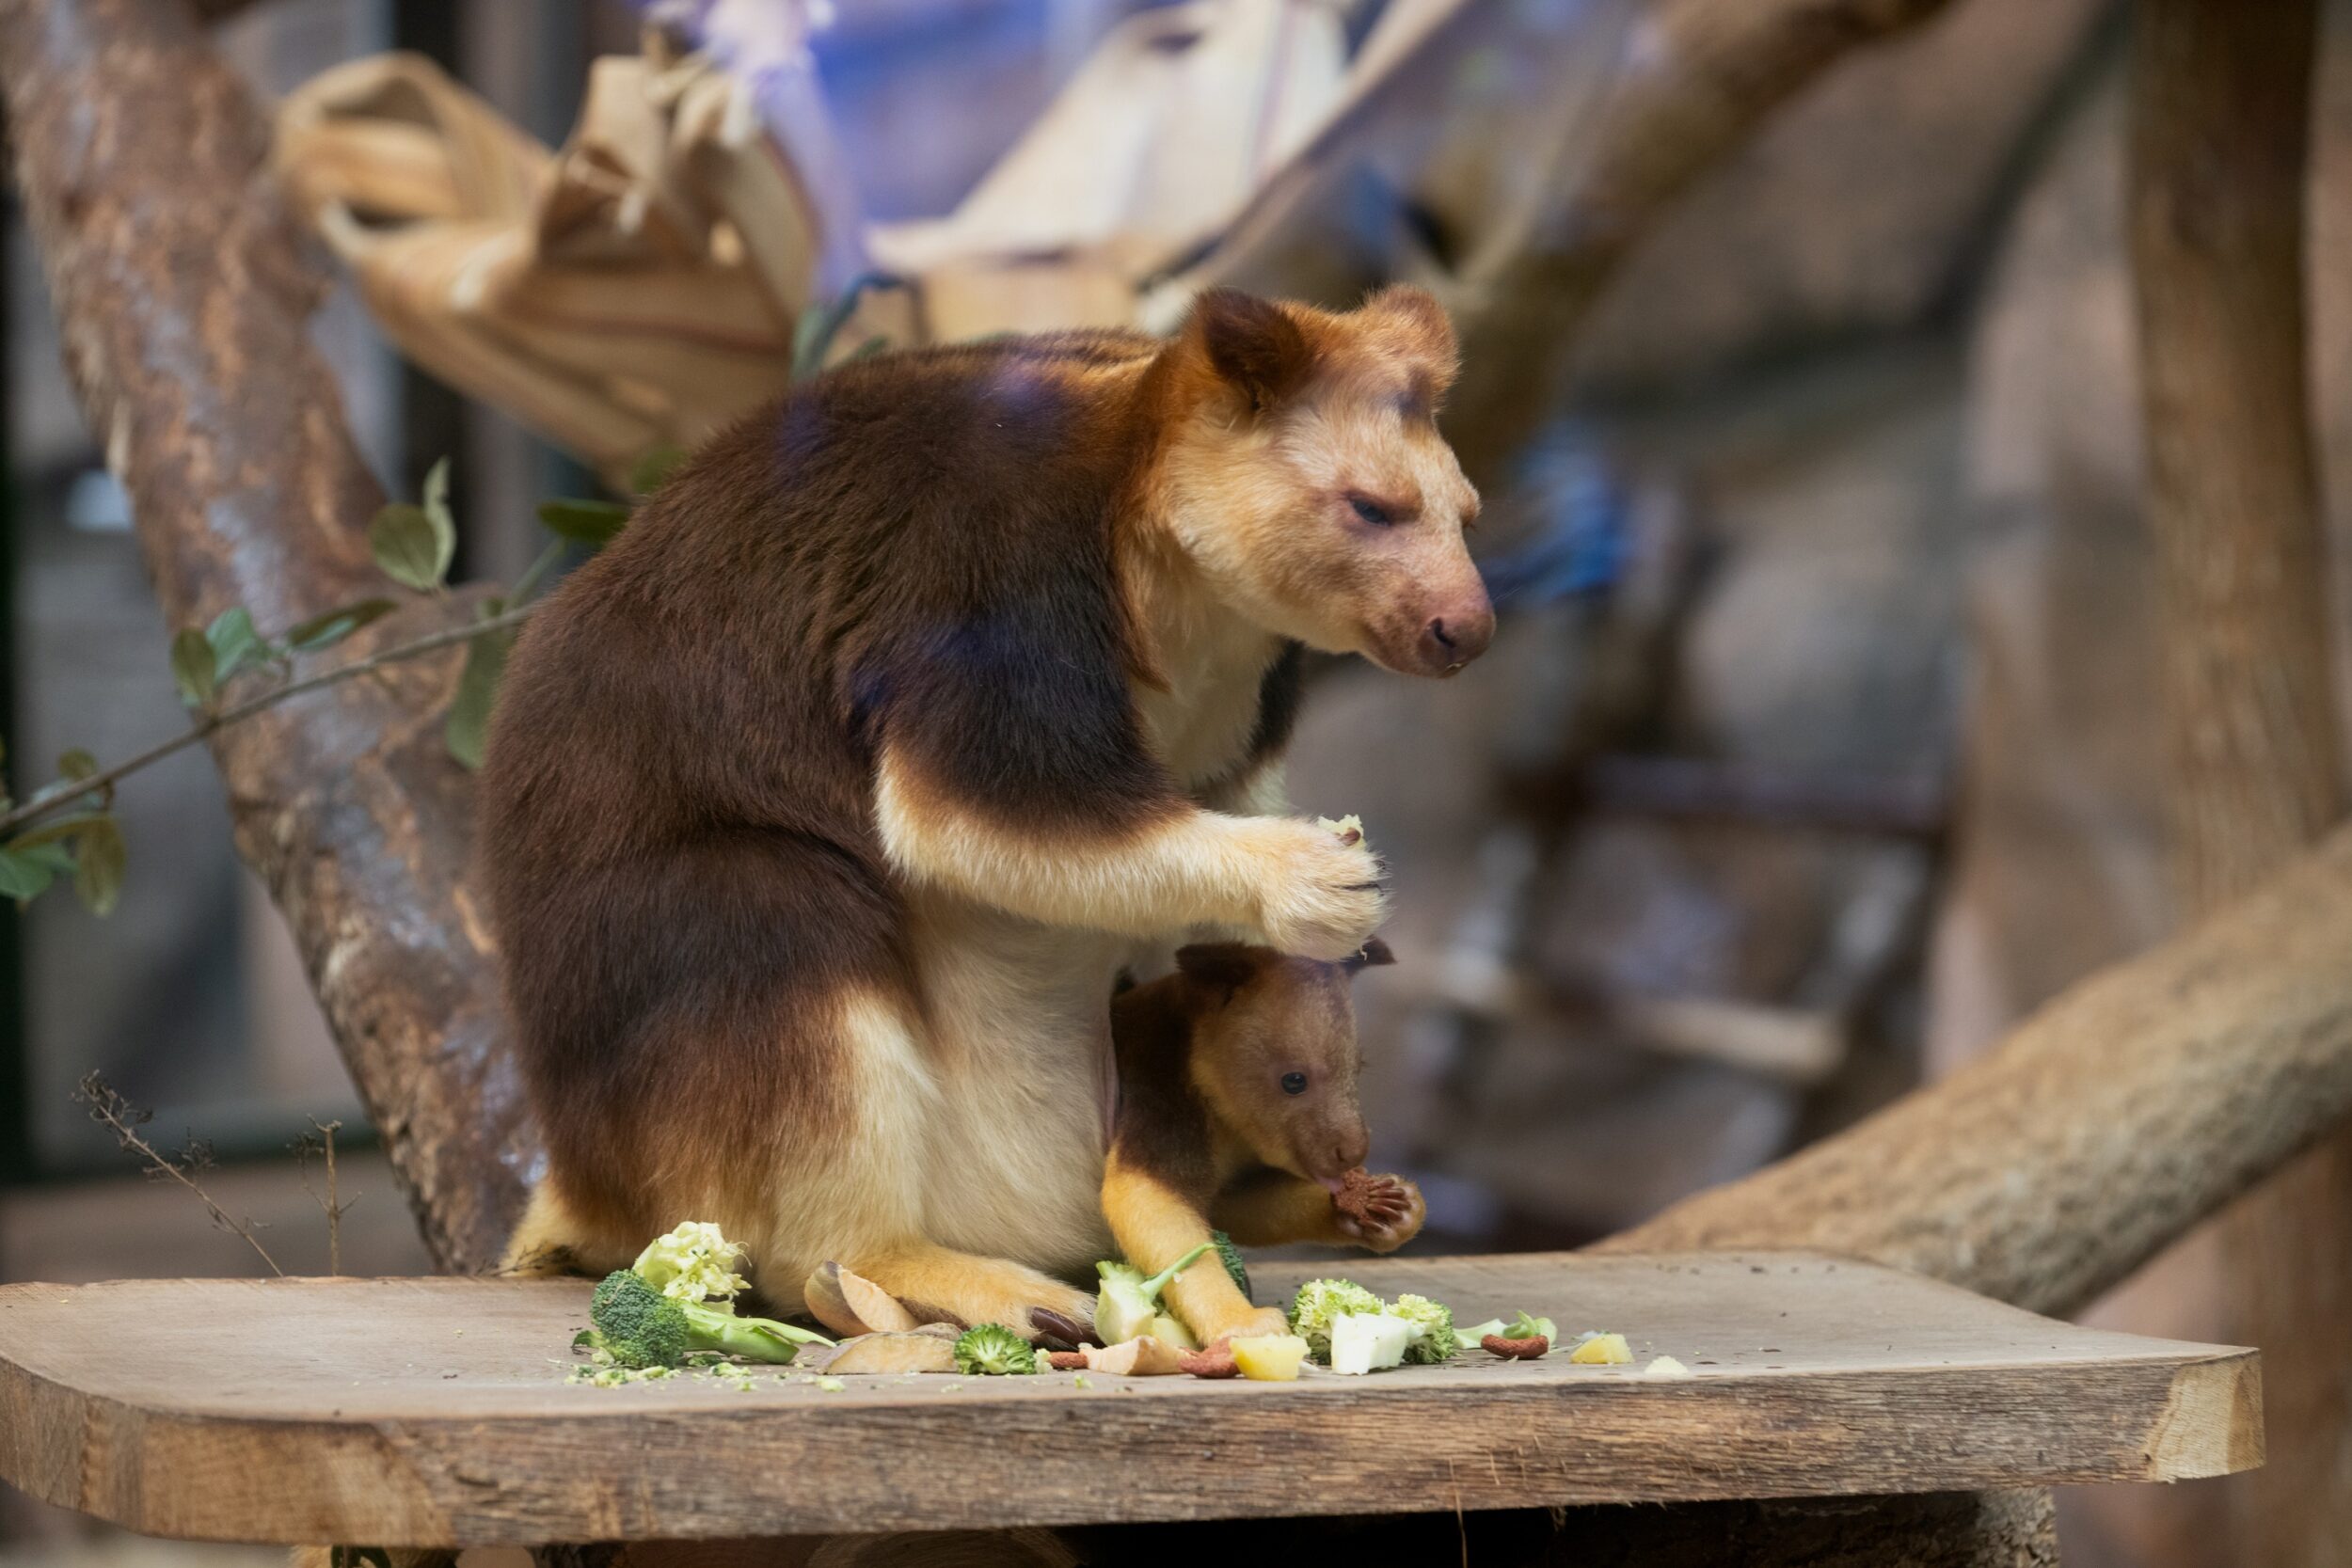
1384 1213
1320 894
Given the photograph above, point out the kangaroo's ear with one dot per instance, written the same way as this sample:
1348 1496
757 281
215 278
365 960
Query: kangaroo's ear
1221 968
1252 344
1371 956
1416 313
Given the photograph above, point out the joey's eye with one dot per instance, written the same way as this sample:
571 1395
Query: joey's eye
1293 1082
1371 511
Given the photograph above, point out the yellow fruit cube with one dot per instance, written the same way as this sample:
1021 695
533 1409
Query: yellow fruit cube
1602 1350
1270 1357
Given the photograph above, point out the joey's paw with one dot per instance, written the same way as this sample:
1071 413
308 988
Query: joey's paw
1320 895
1384 1212
1248 1326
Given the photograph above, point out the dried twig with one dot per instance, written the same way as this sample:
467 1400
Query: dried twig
321 1140
124 1119
39 807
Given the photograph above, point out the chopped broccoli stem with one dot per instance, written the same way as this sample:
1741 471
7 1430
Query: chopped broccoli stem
1320 1301
639 1326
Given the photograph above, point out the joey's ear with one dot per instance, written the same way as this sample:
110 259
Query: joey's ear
1222 967
1252 343
1371 956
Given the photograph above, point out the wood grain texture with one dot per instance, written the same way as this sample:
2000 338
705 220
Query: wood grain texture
432 1411
2130 1107
184 293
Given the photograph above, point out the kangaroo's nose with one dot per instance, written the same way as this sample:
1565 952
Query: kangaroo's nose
1449 641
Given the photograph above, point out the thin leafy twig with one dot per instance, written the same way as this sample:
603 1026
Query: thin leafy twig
34 810
125 1119
321 1138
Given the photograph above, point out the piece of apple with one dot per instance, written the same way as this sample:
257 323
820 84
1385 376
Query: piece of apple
850 1304
1145 1356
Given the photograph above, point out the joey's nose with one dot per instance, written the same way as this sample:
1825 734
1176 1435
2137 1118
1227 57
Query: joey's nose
1350 1150
1449 641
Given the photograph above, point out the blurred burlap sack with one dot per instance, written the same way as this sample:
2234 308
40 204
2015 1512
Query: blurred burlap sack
643 285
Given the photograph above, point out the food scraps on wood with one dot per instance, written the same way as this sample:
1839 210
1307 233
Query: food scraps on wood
675 1307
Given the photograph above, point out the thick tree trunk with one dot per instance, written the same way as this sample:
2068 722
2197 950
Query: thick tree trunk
2220 122
185 292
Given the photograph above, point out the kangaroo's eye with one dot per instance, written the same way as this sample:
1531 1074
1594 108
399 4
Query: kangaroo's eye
1293 1082
1371 511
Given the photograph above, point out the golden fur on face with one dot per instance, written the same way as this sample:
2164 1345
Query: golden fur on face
1307 483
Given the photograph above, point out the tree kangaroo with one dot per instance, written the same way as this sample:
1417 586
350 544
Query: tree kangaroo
824 806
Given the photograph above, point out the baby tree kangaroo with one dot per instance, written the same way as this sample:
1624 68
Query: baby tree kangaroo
1238 1110
824 805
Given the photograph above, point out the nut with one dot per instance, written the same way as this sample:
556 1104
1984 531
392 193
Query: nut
1516 1350
1067 1361
1210 1363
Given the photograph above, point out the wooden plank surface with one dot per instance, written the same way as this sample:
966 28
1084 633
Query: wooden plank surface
425 1411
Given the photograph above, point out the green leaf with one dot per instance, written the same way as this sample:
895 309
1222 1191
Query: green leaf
23 877
326 630
57 828
468 729
409 547
192 668
100 860
584 522
654 469
77 764
56 857
866 349
236 647
436 506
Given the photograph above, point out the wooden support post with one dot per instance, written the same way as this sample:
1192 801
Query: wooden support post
2220 102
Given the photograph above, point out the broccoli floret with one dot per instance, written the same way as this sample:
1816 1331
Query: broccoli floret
1434 1338
995 1350
694 1262
1127 1302
1319 1301
636 1324
1230 1255
639 1326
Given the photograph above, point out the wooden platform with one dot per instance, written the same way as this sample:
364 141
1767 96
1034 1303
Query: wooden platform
434 1411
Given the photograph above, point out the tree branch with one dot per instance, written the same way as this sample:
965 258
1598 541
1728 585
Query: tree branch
184 290
2105 1125
33 811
